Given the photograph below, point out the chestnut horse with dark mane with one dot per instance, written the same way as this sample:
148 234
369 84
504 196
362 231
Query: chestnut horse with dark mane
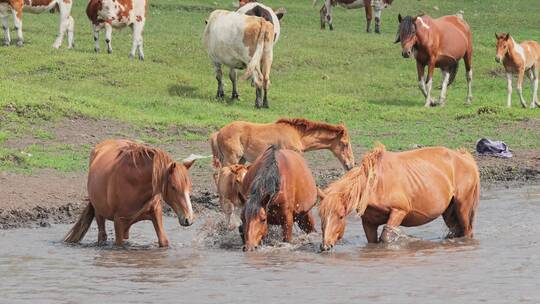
440 43
280 190
409 188
242 141
126 183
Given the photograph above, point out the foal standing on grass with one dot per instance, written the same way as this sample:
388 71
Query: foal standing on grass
518 59
440 43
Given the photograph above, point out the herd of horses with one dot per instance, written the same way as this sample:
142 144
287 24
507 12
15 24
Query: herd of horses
127 182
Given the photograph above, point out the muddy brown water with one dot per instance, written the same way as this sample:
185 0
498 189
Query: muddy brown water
206 265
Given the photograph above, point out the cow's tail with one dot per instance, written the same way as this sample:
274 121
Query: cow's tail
216 155
82 225
253 69
267 182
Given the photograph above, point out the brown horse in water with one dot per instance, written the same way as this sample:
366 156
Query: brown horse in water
242 141
409 188
440 43
126 183
280 190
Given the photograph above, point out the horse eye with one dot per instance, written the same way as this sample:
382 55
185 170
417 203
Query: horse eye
341 217
263 220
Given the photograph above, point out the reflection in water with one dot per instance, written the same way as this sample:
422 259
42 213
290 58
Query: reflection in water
205 263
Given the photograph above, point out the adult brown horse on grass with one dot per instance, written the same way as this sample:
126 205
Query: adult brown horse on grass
440 43
280 190
409 188
126 183
242 141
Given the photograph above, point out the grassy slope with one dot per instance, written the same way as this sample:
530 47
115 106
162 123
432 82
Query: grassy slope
342 76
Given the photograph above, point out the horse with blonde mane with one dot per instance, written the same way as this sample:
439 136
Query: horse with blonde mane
126 183
280 190
409 188
242 141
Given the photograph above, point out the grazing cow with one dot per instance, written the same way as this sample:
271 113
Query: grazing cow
518 59
253 8
228 181
368 5
241 42
16 7
118 14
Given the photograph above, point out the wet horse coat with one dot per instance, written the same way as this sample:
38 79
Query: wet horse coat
242 141
66 23
408 188
126 183
280 190
440 43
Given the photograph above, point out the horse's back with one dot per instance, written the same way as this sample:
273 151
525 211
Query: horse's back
298 185
455 36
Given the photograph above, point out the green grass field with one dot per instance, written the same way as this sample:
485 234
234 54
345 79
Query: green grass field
344 76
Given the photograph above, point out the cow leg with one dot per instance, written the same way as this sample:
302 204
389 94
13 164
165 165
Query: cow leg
509 89
322 13
378 11
219 78
258 97
5 27
445 80
234 79
64 22
369 14
138 27
108 37
521 75
70 32
266 66
328 9
17 21
96 29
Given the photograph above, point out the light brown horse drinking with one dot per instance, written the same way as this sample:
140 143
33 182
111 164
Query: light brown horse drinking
280 190
126 183
409 188
440 43
229 181
519 59
241 141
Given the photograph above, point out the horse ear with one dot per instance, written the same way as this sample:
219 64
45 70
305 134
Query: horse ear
172 167
398 38
399 18
280 12
507 36
496 35
320 193
189 163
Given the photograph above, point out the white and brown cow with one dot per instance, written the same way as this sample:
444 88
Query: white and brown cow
368 5
241 42
118 14
254 8
16 7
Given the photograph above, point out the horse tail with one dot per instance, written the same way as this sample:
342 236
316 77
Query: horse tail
253 69
82 225
267 181
453 73
216 153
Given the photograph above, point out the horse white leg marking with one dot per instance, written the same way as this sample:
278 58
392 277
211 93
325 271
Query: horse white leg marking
509 89
422 86
18 26
446 79
108 37
5 27
428 93
469 87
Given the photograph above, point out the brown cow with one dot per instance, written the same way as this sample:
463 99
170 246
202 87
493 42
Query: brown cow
368 5
16 7
118 14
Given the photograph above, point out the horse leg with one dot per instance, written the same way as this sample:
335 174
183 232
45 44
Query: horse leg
371 231
157 220
287 226
219 78
534 75
445 79
465 209
451 221
5 27
102 232
234 80
393 223
521 75
119 231
17 21
369 14
468 71
509 89
306 222
329 19
420 68
378 12
108 37
429 84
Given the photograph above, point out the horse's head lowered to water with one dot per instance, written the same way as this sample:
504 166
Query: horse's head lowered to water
176 189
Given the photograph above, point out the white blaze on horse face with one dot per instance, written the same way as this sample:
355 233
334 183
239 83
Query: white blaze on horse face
187 199
519 49
423 23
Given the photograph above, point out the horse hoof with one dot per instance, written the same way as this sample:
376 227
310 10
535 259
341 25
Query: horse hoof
392 235
235 96
20 43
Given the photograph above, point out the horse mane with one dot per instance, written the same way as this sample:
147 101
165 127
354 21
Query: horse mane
266 184
305 125
355 187
139 153
408 26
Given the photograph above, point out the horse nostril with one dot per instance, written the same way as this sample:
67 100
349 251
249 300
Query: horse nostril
244 248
